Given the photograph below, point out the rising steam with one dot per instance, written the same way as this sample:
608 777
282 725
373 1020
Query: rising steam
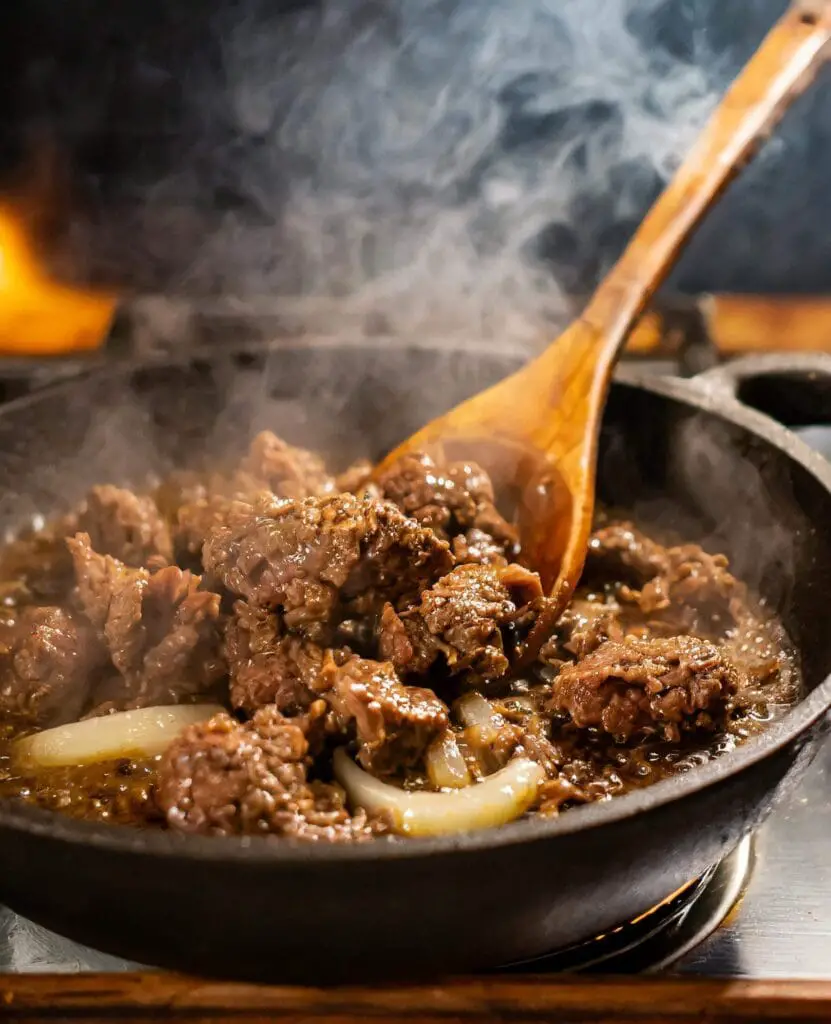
462 167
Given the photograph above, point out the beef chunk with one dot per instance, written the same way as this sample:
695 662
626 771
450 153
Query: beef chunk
643 686
287 471
36 567
196 503
683 585
461 617
223 778
619 551
452 500
267 667
161 630
49 661
395 723
303 556
582 628
127 526
357 479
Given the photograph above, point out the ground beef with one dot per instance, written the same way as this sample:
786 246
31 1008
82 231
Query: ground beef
306 556
454 500
266 665
394 723
50 659
643 686
127 526
224 778
161 630
462 618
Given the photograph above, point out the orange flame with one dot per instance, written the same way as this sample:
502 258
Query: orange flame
40 316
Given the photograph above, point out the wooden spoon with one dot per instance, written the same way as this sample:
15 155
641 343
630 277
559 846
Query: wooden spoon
538 429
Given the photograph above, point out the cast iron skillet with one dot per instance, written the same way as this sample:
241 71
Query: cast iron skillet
683 454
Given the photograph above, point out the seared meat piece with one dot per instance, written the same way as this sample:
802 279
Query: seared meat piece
683 585
127 526
643 686
267 667
287 471
357 479
621 552
223 778
395 723
49 661
302 556
452 499
582 628
36 565
161 630
461 617
196 504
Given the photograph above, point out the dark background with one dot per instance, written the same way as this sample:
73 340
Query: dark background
133 96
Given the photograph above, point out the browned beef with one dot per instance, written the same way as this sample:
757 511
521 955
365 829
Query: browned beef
582 628
36 567
196 504
267 666
643 686
161 630
620 552
683 585
357 479
304 556
287 471
453 500
395 723
127 526
462 618
49 661
223 778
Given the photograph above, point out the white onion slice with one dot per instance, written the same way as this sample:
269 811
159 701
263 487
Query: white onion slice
144 732
446 768
474 710
497 800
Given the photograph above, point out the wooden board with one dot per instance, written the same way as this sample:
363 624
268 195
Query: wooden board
532 999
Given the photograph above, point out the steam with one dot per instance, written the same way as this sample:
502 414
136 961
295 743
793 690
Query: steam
456 167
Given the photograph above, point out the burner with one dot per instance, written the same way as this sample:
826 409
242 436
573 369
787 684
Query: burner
662 935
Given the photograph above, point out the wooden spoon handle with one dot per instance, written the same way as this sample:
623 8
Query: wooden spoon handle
782 68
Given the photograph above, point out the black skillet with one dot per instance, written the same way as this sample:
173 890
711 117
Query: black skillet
681 454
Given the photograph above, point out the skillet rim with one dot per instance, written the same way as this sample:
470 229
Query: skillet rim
703 395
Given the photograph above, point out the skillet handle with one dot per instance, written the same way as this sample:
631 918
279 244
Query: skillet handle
793 389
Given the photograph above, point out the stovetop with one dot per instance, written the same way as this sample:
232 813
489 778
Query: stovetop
764 913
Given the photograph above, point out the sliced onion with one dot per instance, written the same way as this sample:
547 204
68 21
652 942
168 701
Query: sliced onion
446 768
144 732
473 709
497 800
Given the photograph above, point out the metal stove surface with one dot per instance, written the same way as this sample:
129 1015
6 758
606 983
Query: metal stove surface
764 913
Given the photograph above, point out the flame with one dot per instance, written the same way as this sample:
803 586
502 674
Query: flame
40 316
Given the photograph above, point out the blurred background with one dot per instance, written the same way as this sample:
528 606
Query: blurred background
391 167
